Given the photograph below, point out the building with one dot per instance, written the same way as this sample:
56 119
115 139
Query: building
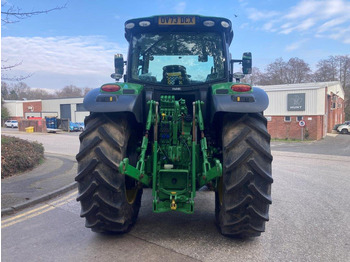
64 108
319 105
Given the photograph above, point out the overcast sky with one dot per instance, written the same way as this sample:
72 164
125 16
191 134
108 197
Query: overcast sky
75 45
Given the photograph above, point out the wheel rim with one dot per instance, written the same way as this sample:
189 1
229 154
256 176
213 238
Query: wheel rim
130 193
131 185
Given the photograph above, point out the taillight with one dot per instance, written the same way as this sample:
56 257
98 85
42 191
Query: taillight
241 88
110 88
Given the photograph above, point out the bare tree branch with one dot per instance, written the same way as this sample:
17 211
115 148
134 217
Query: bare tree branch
9 67
11 12
6 68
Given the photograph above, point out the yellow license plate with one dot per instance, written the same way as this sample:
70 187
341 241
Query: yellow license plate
177 20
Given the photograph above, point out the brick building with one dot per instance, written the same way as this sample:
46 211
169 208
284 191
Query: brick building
319 105
31 106
65 108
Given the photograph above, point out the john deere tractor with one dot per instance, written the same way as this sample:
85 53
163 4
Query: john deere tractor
180 120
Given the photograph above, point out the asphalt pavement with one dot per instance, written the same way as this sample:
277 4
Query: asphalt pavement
332 144
50 179
56 175
309 217
309 221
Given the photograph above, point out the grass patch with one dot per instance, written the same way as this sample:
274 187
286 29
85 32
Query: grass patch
18 155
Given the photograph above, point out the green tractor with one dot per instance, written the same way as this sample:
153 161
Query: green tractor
179 121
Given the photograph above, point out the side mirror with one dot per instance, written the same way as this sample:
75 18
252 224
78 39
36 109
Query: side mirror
118 67
247 63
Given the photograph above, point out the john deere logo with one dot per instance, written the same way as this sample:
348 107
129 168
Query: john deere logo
296 102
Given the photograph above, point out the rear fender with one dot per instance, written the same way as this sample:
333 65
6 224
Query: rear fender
96 101
255 101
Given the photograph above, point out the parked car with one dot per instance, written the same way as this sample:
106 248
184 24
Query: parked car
73 127
344 128
337 125
81 126
11 123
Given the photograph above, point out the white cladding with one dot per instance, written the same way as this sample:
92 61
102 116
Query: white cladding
53 106
315 98
14 107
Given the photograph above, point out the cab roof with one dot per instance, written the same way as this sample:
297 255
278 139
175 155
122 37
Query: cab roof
179 23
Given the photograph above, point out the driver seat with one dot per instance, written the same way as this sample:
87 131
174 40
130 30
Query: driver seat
174 75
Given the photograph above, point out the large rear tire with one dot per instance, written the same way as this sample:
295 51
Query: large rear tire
110 201
244 192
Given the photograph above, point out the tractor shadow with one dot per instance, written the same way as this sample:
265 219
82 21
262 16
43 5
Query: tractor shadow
179 226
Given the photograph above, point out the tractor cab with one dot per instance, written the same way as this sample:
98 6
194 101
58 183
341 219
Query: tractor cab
177 50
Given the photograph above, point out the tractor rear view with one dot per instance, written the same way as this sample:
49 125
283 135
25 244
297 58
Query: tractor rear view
180 120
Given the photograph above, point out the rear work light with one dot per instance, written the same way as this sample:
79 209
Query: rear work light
144 23
225 24
241 88
129 25
110 88
209 23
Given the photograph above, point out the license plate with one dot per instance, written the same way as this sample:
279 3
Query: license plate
177 20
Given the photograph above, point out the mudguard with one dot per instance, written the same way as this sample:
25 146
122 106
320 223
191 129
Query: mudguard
95 101
254 102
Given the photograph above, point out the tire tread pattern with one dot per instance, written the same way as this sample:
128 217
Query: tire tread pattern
246 191
101 187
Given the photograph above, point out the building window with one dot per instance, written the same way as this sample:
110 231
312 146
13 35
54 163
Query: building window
299 118
287 119
80 107
268 118
334 102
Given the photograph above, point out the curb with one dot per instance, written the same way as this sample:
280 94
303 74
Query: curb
14 209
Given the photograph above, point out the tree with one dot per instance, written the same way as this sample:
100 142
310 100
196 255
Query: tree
255 78
294 71
18 91
336 68
39 94
70 91
21 90
4 111
297 71
276 72
4 90
5 68
13 14
327 70
86 90
344 69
